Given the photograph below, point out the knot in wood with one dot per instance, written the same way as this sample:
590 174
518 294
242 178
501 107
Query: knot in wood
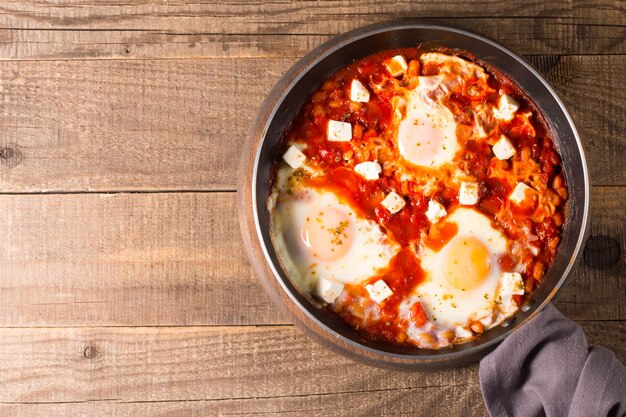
91 352
10 156
602 252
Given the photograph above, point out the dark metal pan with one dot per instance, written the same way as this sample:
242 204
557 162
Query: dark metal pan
261 149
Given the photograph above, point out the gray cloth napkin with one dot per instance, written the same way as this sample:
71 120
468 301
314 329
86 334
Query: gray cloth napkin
547 368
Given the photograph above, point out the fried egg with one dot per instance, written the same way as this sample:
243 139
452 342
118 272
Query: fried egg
463 277
427 132
318 237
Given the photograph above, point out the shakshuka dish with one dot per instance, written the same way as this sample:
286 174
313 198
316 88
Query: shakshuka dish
419 197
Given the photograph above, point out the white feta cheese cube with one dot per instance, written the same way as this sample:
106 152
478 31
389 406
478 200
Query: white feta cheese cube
468 194
503 148
368 170
294 157
339 131
393 202
358 92
435 211
462 333
379 291
507 106
520 192
512 283
328 290
396 65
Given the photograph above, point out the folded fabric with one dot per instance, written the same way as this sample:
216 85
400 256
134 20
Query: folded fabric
547 368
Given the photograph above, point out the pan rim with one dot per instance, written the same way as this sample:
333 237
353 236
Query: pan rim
304 65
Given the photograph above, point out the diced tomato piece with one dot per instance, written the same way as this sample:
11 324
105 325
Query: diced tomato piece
418 315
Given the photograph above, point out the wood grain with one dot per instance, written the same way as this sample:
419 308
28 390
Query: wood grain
450 401
523 35
177 259
607 219
157 96
161 364
148 125
282 16
265 370
135 259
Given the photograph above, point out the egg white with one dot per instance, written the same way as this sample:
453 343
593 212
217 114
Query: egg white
370 249
426 133
446 305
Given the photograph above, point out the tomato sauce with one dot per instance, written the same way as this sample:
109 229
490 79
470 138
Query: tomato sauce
403 275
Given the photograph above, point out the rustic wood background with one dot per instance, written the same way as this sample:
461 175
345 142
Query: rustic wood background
123 286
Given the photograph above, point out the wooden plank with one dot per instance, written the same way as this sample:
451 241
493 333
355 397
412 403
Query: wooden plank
115 125
180 124
26 44
143 258
449 401
185 363
282 16
177 259
589 119
268 370
592 276
523 35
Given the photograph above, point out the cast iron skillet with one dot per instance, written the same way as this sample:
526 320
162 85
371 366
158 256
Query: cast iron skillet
274 117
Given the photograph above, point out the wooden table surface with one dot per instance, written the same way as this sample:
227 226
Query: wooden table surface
124 289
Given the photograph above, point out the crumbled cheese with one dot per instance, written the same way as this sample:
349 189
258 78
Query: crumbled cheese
503 148
379 291
481 133
393 202
358 92
512 283
462 333
534 250
486 321
435 211
396 65
339 131
399 105
294 157
482 123
468 194
328 290
519 193
368 170
507 106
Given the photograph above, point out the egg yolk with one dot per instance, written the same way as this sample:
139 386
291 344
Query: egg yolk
420 139
327 233
467 263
